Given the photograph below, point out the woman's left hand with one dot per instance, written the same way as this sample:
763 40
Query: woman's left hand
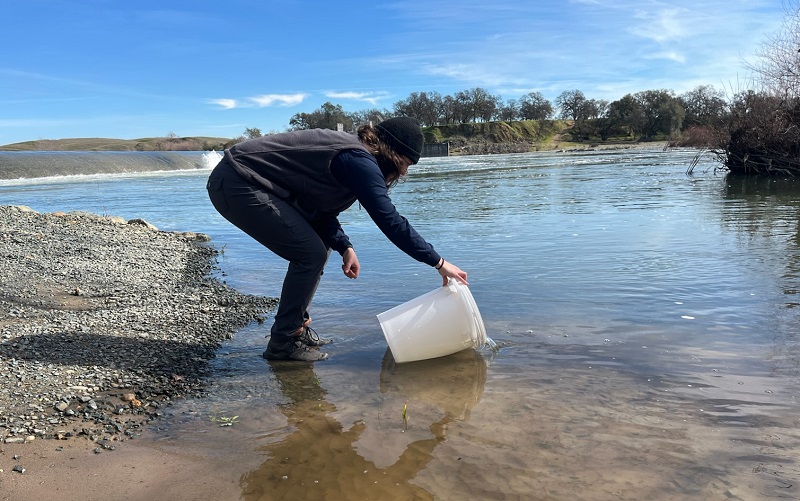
350 264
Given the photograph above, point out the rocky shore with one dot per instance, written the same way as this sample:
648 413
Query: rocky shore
103 322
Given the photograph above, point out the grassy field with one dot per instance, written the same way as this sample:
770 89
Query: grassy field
108 144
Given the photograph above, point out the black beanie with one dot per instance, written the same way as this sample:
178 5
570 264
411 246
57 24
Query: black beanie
403 135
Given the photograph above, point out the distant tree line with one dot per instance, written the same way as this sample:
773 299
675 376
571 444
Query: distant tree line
644 115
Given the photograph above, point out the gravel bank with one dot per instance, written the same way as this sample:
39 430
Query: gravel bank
103 322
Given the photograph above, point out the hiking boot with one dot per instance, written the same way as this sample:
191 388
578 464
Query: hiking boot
309 337
298 351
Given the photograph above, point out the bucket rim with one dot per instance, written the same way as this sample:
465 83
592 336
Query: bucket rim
405 304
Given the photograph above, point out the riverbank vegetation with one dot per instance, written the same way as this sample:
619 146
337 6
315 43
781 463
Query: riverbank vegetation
762 133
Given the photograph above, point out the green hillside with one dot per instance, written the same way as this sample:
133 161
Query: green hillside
500 137
106 144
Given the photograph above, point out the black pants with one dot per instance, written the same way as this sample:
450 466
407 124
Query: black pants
280 228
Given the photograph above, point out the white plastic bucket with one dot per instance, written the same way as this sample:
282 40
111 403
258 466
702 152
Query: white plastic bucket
439 323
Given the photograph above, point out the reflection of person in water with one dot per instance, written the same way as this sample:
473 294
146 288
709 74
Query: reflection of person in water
318 459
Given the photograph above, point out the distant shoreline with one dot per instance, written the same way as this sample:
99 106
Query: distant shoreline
482 138
111 144
475 146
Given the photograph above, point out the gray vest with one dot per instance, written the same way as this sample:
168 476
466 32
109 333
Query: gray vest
295 166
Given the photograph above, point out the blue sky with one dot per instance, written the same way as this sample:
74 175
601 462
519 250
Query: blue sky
106 68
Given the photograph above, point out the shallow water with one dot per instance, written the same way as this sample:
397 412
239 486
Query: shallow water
648 323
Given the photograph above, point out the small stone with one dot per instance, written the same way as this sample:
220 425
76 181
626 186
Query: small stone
19 469
142 222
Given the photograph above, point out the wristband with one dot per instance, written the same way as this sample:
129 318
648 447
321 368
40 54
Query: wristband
439 266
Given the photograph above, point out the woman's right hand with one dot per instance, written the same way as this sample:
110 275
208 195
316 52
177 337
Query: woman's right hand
449 270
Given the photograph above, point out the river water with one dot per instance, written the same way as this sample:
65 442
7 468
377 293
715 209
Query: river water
648 323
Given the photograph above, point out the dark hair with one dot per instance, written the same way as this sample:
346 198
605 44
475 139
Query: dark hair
391 163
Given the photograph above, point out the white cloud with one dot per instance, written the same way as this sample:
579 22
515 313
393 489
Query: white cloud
480 72
261 101
226 104
284 100
670 55
659 26
369 97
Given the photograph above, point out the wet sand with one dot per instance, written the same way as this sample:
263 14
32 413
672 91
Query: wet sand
135 470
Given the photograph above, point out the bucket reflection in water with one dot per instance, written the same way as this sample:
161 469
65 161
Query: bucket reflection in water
324 459
454 383
438 323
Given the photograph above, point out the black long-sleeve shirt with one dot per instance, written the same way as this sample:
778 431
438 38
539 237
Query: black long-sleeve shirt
358 171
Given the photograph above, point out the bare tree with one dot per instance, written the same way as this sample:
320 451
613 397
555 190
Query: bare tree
373 115
449 107
485 104
778 65
509 111
462 107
